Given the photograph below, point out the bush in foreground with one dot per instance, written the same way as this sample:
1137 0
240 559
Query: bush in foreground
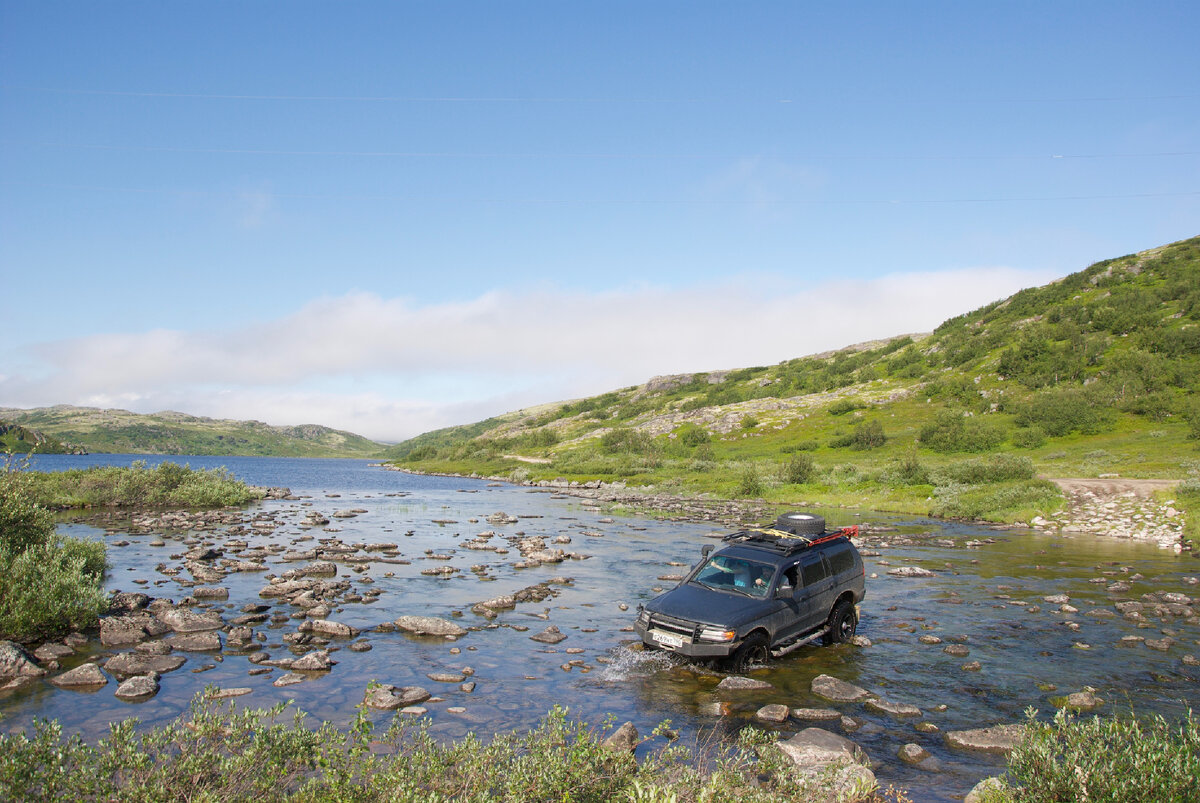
49 584
215 753
1120 759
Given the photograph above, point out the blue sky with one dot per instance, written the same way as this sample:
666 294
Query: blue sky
389 217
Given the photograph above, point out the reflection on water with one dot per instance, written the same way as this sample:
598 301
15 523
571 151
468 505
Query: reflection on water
986 599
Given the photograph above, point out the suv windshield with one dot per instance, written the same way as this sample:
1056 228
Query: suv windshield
735 574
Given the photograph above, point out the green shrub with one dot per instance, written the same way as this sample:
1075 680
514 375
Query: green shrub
798 469
806 445
951 431
51 583
1121 759
217 752
866 435
843 406
1061 412
1028 437
983 470
749 483
693 436
749 422
622 440
907 471
168 484
1005 501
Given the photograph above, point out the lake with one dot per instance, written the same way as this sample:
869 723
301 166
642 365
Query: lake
987 593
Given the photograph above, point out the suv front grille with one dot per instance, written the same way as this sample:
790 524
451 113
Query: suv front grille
670 624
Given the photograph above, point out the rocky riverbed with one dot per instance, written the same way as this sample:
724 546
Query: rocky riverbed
478 606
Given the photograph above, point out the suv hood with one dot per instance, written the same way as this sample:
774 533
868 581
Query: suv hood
699 604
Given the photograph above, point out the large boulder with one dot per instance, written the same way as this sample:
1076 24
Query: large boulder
551 635
738 683
16 666
326 627
139 687
389 698
85 676
128 664
838 691
429 626
817 746
318 661
1000 739
840 766
623 740
205 641
979 792
184 620
129 628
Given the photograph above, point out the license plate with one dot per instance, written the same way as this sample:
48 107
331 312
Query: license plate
666 639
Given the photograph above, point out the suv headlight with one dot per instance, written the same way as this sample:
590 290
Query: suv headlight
716 634
643 618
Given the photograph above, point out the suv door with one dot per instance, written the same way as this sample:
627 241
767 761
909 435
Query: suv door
794 611
818 589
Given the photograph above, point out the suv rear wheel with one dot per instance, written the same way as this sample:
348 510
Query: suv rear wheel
754 650
842 623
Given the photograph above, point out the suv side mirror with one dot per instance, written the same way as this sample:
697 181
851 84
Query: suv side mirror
706 550
784 591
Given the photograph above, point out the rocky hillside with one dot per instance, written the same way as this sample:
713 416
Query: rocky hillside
120 431
1090 375
22 440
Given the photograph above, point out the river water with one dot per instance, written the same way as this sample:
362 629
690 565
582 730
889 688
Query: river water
987 593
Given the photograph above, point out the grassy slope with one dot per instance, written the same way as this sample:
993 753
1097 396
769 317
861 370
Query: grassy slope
22 440
120 431
1093 374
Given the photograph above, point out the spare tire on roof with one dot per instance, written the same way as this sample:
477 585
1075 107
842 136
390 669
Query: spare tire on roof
801 523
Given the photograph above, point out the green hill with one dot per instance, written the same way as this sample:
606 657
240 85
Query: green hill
1093 374
22 440
120 431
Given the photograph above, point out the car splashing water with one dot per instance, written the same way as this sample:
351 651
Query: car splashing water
981 637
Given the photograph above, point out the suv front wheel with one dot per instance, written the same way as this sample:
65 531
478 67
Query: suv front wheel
755 650
842 623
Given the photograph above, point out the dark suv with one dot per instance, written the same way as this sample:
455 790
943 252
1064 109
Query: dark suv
763 593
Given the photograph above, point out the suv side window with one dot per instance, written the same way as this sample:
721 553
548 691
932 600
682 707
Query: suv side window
813 570
840 559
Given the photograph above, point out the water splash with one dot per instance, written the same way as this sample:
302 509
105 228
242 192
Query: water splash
631 663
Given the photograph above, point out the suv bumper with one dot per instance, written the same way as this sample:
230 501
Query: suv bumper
686 646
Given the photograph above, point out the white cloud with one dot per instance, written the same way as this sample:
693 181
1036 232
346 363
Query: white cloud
390 368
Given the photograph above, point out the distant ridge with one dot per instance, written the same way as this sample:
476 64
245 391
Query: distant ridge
170 432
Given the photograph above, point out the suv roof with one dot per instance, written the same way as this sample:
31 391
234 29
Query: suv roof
783 542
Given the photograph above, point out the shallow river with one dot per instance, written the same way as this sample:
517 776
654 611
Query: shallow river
988 596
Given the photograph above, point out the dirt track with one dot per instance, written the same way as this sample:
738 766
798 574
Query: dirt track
1113 487
1114 506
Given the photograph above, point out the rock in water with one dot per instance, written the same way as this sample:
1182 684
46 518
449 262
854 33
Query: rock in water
429 626
551 635
838 691
138 687
736 683
16 666
623 739
999 739
82 676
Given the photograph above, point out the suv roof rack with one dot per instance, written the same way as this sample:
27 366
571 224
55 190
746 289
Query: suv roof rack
785 542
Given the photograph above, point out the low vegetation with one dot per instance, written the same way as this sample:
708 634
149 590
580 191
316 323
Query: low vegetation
1119 759
1097 373
215 753
51 584
165 485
